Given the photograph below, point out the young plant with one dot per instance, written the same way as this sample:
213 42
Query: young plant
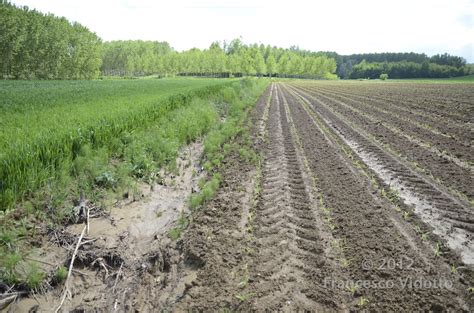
60 274
362 302
34 276
353 289
437 249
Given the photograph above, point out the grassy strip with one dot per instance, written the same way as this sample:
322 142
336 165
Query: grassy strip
236 102
459 79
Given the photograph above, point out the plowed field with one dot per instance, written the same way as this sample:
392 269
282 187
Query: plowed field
363 200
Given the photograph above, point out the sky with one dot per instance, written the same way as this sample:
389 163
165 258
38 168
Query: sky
344 26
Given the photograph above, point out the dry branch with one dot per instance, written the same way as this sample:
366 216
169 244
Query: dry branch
87 217
117 277
66 287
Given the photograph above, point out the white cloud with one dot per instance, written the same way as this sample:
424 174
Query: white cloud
431 26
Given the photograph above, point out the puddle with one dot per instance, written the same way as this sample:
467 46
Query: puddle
137 223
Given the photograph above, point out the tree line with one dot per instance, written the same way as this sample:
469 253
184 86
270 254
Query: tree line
405 69
135 58
399 65
34 45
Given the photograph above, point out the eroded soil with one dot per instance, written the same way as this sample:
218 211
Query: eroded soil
127 260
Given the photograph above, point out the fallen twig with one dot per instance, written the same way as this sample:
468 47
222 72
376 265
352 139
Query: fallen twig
87 217
104 266
5 302
89 241
117 277
66 287
39 261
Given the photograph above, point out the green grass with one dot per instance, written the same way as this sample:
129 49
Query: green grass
61 274
468 78
231 135
44 125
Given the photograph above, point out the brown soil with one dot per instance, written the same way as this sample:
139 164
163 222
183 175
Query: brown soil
319 227
452 174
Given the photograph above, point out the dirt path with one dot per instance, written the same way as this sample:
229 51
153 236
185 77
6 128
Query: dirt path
290 248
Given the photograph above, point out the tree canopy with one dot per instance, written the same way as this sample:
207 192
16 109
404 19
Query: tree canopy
133 58
37 45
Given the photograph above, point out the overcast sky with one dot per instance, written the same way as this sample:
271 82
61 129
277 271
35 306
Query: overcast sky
344 26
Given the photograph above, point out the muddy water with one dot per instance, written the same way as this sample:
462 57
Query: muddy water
118 246
141 222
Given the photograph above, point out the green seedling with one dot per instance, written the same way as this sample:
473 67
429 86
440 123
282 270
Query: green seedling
60 274
34 276
174 233
352 289
362 302
437 250
244 297
344 263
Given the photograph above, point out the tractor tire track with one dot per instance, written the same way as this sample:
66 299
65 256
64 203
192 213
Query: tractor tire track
290 253
450 216
370 231
451 174
428 138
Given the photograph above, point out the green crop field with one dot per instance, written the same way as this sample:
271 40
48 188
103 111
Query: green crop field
460 79
45 123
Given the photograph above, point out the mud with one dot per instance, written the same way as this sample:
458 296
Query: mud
429 136
368 225
127 252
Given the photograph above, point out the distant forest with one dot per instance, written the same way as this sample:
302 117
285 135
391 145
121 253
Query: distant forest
34 45
399 65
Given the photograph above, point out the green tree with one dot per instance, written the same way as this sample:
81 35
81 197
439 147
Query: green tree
271 65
